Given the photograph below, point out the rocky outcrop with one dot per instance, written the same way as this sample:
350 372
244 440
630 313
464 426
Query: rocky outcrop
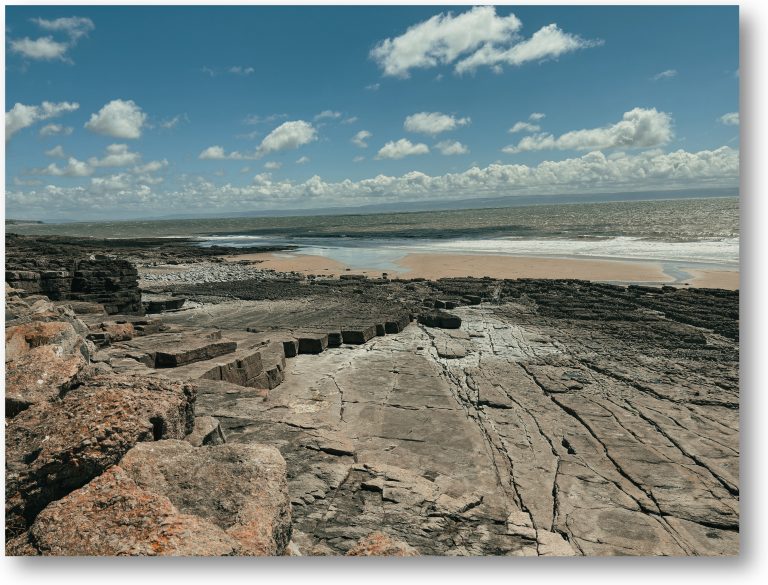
53 448
110 282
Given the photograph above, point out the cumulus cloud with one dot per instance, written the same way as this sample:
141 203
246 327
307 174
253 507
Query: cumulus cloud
536 116
449 148
47 48
360 138
349 120
74 168
358 159
21 116
592 172
401 148
639 128
524 127
442 39
56 152
74 26
43 48
548 42
56 130
272 165
667 74
119 119
118 155
730 119
469 40
433 123
302 160
287 136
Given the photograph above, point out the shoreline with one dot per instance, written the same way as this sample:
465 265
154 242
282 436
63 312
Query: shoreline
433 266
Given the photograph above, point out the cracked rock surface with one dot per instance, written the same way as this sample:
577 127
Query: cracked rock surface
525 432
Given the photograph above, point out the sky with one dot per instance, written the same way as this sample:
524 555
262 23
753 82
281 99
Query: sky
140 111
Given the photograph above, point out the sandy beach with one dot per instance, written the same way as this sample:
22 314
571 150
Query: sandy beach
434 266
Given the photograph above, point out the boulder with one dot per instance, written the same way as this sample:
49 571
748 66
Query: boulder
113 516
240 488
55 448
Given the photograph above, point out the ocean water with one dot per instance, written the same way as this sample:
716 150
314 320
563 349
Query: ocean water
690 232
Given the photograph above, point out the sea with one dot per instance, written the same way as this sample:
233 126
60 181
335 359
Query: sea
680 233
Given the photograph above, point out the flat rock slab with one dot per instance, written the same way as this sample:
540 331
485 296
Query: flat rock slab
192 351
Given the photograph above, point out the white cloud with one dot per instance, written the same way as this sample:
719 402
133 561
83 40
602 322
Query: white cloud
442 39
536 116
524 127
253 119
730 119
287 136
47 48
217 153
373 87
358 159
433 123
360 138
328 114
43 48
240 70
74 168
667 74
151 167
272 165
74 26
21 116
401 149
118 155
548 42
56 130
592 172
172 122
471 39
448 148
56 152
119 119
639 128
350 120
302 160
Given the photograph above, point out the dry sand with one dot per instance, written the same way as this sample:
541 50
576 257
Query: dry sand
714 278
433 266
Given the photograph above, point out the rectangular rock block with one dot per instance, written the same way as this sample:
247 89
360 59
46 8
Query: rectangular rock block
312 342
358 335
186 354
334 339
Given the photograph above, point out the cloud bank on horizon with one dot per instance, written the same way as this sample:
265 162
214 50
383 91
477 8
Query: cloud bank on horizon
452 105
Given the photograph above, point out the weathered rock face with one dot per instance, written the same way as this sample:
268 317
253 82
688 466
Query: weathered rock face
111 282
53 448
241 489
112 515
46 353
381 545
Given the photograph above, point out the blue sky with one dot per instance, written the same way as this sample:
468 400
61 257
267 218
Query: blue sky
141 111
